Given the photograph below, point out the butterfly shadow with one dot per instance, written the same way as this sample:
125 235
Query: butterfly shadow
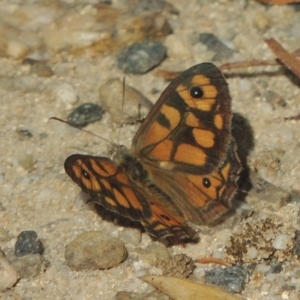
244 136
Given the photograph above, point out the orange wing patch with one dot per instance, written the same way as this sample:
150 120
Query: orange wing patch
189 154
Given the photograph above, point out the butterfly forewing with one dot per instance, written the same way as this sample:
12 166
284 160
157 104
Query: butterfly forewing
189 128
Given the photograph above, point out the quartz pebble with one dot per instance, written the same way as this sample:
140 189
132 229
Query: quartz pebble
280 242
65 94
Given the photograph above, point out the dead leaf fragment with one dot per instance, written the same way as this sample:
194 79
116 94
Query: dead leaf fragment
182 289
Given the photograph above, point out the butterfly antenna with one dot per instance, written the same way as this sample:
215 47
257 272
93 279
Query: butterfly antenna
122 110
66 122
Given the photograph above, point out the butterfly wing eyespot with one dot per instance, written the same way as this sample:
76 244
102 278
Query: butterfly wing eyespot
196 92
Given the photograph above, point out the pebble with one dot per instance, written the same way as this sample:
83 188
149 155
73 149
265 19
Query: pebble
266 108
29 266
276 267
281 241
155 254
130 236
8 275
41 69
24 134
232 279
27 162
93 250
222 52
180 266
296 248
65 93
141 57
274 99
16 49
136 106
4 234
176 46
85 114
28 242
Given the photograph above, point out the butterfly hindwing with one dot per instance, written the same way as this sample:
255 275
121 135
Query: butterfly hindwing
107 185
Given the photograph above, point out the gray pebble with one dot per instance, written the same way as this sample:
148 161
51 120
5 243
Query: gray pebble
232 279
85 114
296 248
214 44
28 242
93 250
141 57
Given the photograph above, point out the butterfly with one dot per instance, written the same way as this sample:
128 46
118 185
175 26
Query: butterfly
182 167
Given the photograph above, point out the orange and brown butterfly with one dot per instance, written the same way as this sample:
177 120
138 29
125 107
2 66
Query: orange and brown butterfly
182 166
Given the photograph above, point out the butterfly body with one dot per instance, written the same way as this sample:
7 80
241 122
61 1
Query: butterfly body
182 166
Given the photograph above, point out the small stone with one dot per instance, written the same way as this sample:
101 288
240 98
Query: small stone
262 22
287 287
94 251
65 93
141 57
281 241
27 162
28 242
274 99
85 114
29 266
155 254
176 46
136 105
276 267
130 236
8 275
252 253
41 69
24 134
180 266
296 248
232 279
214 44
16 49
4 234
147 6
266 108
